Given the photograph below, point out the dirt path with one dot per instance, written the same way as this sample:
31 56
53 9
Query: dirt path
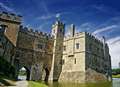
20 84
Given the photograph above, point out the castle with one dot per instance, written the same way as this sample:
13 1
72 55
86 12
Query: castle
79 57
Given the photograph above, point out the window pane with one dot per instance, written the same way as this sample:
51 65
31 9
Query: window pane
77 45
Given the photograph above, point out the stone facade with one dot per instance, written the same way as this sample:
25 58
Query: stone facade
85 59
58 34
12 21
73 58
35 56
33 49
79 57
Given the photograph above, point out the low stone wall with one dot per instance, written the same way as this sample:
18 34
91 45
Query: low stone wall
93 76
74 77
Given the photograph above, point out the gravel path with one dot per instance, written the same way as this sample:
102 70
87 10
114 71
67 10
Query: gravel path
20 84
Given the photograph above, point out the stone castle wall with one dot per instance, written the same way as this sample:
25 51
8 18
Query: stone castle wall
12 23
34 50
76 58
97 58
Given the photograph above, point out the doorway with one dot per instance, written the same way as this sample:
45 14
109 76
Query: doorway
24 74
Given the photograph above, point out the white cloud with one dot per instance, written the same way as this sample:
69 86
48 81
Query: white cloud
108 28
114 40
114 48
47 12
2 5
45 17
87 26
49 16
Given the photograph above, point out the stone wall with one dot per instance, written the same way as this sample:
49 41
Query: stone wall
12 22
73 66
34 52
94 76
97 56
58 34
74 77
76 58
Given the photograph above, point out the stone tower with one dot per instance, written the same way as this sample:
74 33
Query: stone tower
12 23
58 34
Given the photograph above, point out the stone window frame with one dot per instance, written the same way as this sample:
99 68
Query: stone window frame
64 48
75 62
77 45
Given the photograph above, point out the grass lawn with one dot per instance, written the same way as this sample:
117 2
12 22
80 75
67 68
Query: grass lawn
116 76
36 84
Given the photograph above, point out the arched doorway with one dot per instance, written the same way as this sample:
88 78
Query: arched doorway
24 74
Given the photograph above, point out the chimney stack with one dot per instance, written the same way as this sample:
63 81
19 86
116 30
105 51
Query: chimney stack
72 30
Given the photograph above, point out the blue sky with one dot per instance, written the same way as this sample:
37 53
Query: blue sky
99 17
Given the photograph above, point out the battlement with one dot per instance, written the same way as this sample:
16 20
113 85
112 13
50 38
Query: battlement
35 33
10 17
80 34
76 35
95 38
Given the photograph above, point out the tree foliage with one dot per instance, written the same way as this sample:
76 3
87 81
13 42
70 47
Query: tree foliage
116 71
6 68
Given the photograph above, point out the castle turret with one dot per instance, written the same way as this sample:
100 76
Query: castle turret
58 34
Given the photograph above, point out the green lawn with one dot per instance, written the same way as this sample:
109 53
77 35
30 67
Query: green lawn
36 84
116 76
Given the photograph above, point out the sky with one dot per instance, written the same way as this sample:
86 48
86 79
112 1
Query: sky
99 17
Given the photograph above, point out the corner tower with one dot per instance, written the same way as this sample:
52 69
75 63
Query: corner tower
58 34
12 23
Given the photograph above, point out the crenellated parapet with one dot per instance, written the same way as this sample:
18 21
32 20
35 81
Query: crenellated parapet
10 17
76 35
35 33
94 38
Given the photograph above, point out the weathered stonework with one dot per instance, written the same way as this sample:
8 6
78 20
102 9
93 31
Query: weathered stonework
12 22
79 57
